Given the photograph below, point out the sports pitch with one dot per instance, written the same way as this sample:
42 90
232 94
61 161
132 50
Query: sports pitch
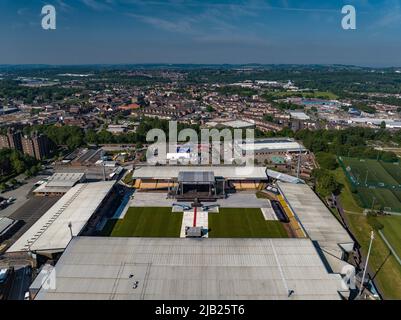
243 223
372 172
377 183
161 222
146 222
389 200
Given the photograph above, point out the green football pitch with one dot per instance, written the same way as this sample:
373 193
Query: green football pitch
243 223
382 179
385 198
372 172
161 222
146 222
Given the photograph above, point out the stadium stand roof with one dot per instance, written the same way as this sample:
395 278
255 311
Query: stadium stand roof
196 177
173 268
172 172
227 172
51 231
283 177
316 219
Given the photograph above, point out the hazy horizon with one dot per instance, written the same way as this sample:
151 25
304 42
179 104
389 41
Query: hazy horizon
234 32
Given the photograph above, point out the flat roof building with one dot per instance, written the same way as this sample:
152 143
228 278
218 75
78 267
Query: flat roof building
273 145
51 233
207 269
6 226
238 124
318 222
299 115
59 183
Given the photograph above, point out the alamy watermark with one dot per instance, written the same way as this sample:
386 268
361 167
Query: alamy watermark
48 278
349 20
49 17
212 147
49 14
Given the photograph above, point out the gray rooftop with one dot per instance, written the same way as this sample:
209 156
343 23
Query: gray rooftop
316 219
196 177
64 179
51 231
283 177
60 182
6 224
172 172
166 268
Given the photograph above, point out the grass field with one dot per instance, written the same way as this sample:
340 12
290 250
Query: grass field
388 271
371 171
381 177
244 223
393 169
146 222
392 231
380 197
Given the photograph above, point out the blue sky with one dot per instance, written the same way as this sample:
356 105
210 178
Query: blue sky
201 31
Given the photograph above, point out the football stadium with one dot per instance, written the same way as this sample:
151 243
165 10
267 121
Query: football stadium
191 233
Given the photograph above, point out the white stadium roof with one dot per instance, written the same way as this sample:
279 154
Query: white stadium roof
228 172
316 219
51 232
208 269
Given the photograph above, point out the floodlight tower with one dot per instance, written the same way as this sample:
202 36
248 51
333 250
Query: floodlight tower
299 162
70 227
372 236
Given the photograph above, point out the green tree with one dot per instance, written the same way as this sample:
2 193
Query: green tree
326 160
268 118
326 182
3 187
210 109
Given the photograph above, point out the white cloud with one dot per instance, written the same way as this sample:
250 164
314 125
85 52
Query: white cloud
97 5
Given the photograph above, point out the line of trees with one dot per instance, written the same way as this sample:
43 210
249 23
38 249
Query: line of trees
13 163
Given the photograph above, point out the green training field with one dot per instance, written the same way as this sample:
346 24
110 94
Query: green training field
381 197
243 223
146 222
383 180
371 171
393 169
392 231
